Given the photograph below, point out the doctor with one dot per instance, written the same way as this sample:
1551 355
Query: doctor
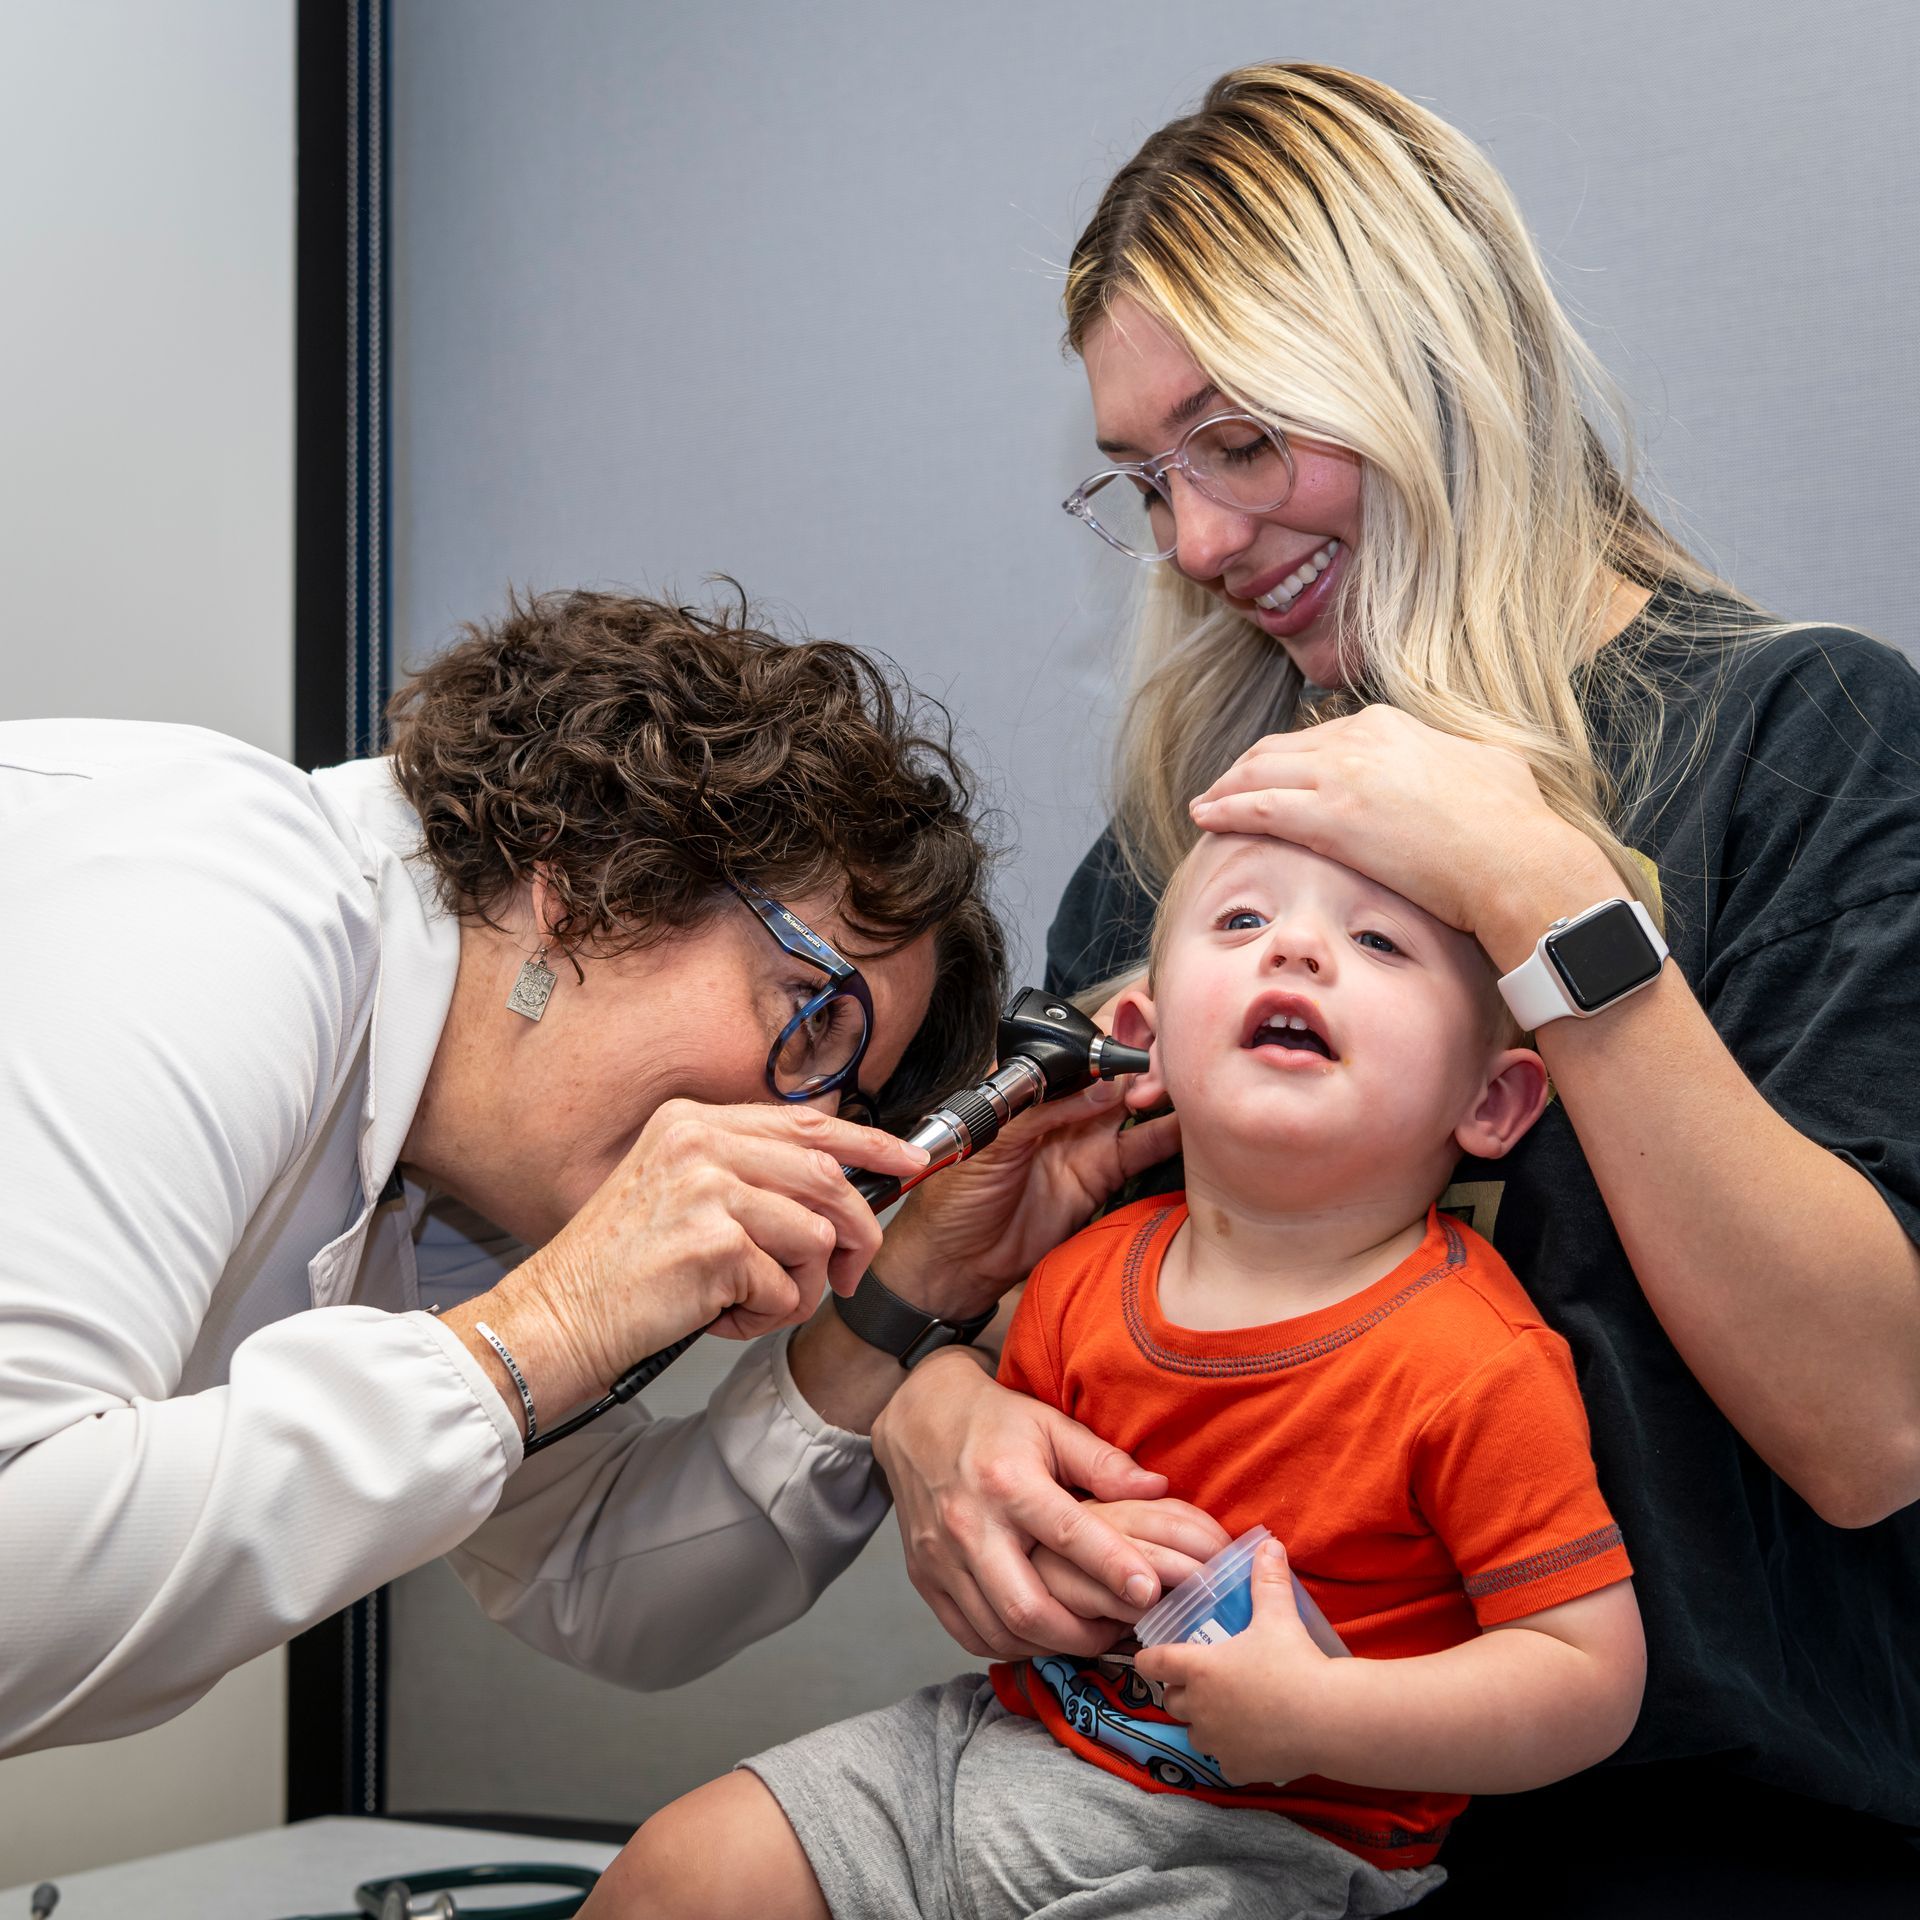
291 1058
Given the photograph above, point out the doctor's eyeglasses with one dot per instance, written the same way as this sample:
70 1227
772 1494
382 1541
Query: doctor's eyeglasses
1234 459
820 1049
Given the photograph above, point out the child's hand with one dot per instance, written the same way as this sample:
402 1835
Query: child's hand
1175 1538
1254 1702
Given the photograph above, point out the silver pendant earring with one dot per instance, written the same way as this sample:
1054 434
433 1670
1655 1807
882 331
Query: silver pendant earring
532 988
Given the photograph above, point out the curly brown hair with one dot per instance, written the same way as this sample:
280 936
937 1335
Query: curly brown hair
642 756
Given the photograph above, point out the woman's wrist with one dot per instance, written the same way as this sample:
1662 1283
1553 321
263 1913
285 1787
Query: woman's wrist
557 1327
1559 874
938 1377
911 1267
554 1376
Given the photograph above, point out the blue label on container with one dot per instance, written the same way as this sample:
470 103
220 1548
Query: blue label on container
1231 1613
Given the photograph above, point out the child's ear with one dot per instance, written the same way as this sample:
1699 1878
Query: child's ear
1135 1024
1513 1098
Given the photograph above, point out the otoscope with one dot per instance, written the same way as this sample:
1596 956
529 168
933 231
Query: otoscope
1047 1049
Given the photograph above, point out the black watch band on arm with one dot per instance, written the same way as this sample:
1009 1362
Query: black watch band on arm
882 1319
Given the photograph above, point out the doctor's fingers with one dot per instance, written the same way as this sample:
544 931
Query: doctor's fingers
789 1236
956 1548
1021 1610
1038 1506
1101 1102
813 1178
1148 1144
794 1123
1081 1593
963 1608
957 1607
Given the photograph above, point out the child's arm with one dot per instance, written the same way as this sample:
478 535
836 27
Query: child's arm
1525 1703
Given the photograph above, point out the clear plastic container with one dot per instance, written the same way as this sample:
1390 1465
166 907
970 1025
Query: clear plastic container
1217 1602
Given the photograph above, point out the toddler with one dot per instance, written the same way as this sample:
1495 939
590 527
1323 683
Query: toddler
1303 1339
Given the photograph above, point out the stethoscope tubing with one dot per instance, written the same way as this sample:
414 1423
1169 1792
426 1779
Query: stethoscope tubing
370 1897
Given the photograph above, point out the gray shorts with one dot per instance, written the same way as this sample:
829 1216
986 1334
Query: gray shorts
948 1806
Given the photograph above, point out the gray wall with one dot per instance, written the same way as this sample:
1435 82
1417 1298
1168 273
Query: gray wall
146 546
146 362
774 290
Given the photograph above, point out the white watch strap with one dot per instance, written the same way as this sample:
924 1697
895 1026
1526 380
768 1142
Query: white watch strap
1534 992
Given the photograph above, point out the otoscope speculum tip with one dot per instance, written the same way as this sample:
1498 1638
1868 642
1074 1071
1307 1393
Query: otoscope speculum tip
1110 1059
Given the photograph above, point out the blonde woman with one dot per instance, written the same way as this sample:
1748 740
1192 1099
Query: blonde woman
1401 605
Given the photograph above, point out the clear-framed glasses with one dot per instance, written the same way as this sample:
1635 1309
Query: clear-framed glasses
1232 458
820 1049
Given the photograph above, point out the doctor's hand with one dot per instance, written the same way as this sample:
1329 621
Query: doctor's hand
1176 1537
979 1228
739 1216
980 1476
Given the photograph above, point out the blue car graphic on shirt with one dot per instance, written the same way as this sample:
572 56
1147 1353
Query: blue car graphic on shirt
1160 1748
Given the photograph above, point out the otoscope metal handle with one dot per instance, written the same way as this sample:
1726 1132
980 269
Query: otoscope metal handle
973 1120
958 1131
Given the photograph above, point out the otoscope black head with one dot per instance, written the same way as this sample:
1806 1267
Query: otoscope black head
1070 1051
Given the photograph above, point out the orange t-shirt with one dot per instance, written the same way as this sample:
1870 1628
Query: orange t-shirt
1420 1448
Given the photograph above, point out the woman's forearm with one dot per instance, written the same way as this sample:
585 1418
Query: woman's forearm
845 1381
648 1550
1777 1270
848 1382
135 1576
1779 1273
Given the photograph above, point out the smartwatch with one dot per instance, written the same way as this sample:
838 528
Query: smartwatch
882 1319
1583 965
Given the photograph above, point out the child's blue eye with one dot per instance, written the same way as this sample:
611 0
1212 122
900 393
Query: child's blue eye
1241 919
1376 942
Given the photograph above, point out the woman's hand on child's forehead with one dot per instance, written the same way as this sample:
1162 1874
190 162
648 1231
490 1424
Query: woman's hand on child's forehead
1458 827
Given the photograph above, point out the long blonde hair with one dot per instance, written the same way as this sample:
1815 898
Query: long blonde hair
1342 262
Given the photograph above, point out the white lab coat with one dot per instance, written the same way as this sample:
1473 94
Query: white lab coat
223 1414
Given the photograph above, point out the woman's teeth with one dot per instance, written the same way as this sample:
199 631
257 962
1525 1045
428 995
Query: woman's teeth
1299 580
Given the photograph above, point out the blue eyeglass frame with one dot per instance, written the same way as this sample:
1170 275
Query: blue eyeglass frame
844 981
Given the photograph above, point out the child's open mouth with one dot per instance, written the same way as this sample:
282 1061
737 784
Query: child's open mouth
1295 1035
1288 1022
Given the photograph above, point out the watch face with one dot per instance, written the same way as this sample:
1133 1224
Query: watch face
1603 956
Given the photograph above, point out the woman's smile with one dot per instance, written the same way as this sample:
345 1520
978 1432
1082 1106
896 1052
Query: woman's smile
1297 599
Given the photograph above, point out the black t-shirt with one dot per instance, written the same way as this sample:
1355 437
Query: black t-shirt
1787 843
